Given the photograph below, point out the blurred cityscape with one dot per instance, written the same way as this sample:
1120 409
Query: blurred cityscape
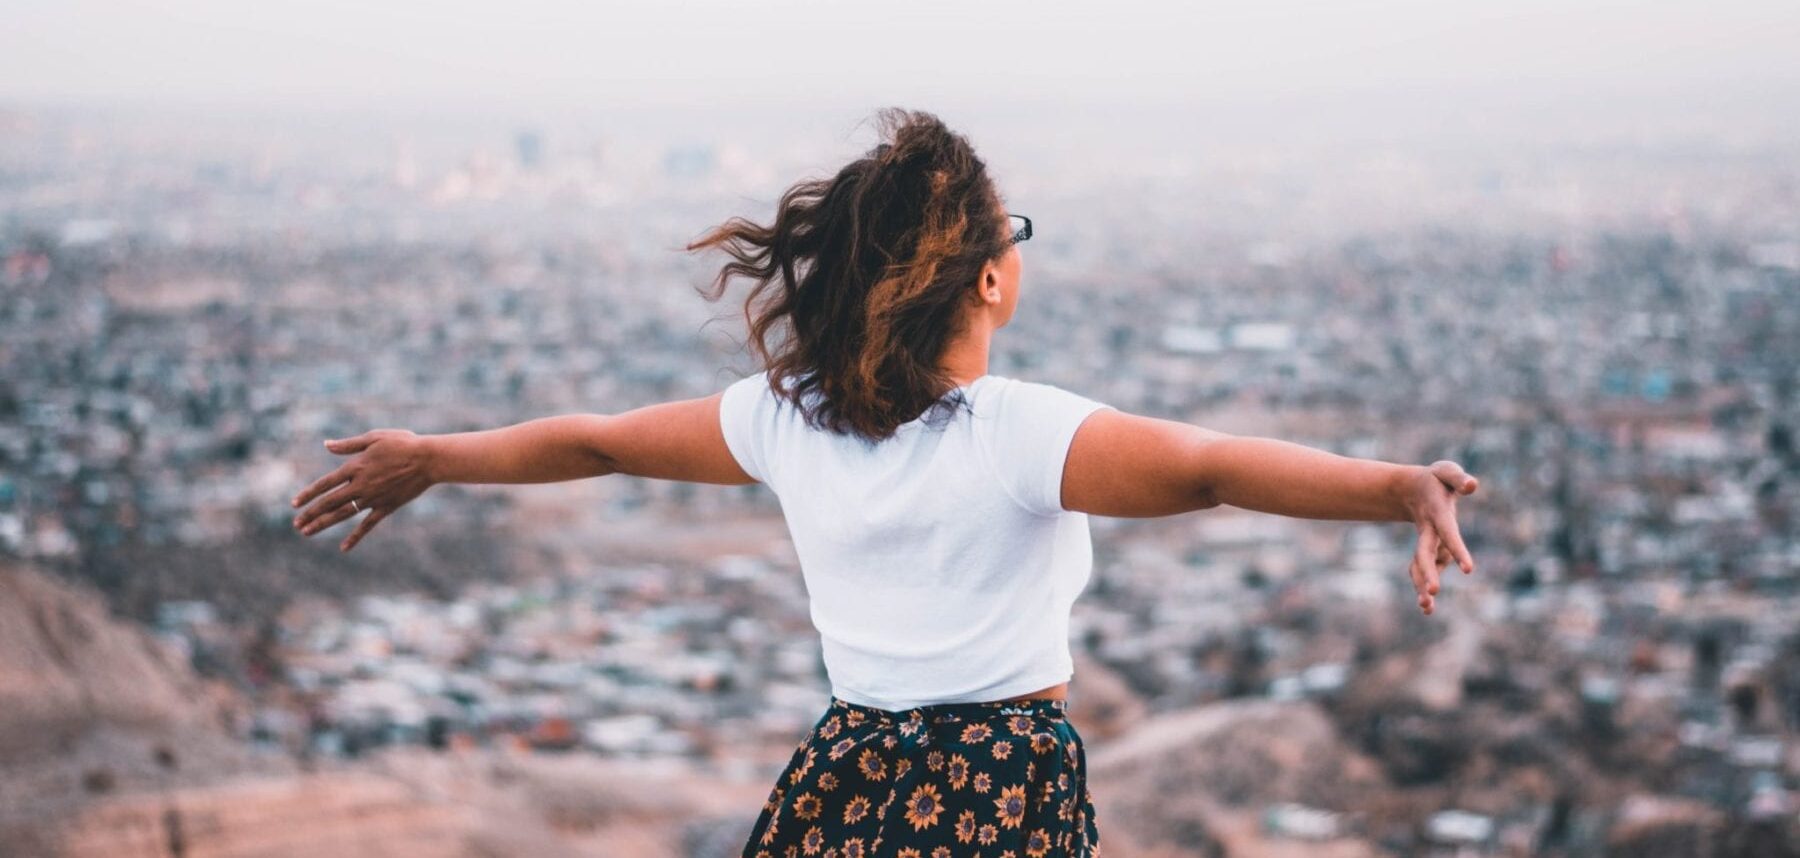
1606 333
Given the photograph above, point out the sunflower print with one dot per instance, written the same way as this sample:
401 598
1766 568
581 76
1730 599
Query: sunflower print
799 772
873 766
1011 806
1005 777
856 810
923 808
965 827
958 773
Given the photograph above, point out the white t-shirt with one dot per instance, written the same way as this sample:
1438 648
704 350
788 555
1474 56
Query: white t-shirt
940 563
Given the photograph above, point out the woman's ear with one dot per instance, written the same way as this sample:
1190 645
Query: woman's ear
987 286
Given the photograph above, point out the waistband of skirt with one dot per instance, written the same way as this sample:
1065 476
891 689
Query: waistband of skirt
1037 707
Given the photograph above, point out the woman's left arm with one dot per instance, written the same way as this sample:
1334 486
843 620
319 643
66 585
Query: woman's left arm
674 441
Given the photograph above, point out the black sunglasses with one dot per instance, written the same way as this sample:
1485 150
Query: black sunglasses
1021 233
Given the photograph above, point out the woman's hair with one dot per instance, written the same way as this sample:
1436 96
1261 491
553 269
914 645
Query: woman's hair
867 271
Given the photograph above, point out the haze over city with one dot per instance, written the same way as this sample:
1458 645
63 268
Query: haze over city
1557 243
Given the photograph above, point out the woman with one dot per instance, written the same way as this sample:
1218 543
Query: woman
939 512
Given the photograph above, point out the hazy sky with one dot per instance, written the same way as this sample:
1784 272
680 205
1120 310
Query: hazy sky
434 52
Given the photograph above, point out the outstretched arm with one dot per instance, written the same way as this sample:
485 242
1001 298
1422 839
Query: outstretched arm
1127 465
672 440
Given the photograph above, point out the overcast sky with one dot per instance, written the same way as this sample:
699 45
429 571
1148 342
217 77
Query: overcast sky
425 52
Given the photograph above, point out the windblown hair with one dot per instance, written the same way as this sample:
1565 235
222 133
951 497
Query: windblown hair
867 273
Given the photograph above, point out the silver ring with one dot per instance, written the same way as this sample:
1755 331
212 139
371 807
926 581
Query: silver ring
354 506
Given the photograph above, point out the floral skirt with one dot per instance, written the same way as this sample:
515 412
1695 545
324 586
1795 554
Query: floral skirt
999 778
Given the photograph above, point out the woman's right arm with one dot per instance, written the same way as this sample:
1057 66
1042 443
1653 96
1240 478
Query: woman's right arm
1128 465
680 440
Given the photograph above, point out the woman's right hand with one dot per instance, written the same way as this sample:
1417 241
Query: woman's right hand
390 471
1430 495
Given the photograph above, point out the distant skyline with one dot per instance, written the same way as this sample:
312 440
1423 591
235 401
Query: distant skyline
540 56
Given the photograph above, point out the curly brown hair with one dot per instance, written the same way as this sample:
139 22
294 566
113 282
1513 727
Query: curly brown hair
868 272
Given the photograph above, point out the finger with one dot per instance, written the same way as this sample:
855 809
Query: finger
335 504
1419 584
1453 476
1443 558
362 528
1417 572
350 445
320 506
1446 528
1426 552
1421 559
328 520
322 485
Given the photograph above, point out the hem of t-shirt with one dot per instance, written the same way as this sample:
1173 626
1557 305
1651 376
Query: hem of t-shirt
987 457
1030 682
747 411
1064 440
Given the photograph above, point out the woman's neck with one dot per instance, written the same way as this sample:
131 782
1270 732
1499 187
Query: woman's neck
966 358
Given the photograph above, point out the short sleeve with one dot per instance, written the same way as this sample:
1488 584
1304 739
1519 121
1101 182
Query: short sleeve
747 414
1033 428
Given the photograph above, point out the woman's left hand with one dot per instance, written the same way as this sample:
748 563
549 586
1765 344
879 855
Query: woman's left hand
1430 501
388 474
